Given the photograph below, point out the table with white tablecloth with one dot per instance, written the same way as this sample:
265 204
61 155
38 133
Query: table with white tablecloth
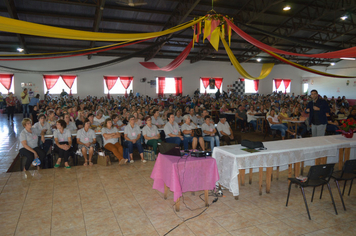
232 160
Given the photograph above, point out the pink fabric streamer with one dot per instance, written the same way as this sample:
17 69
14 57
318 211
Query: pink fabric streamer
180 175
174 64
349 52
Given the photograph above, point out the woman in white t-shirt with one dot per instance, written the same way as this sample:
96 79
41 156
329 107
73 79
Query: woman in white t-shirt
209 133
274 123
151 134
63 143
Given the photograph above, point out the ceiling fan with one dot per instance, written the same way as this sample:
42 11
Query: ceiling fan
132 3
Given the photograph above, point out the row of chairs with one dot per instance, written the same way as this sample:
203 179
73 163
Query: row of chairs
320 175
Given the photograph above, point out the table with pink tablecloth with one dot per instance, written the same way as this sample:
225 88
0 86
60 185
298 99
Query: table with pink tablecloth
184 174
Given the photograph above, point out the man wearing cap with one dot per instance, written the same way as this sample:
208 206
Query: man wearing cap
225 130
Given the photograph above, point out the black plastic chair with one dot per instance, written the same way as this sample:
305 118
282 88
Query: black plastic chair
318 175
348 172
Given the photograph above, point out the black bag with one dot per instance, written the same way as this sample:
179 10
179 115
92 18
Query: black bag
197 132
251 144
48 162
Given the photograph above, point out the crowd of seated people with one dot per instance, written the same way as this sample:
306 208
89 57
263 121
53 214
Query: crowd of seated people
177 116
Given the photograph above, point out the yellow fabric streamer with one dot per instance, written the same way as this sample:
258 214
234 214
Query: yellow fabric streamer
229 33
223 31
207 29
23 27
214 38
266 68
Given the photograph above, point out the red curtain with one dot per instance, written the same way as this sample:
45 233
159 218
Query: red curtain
178 81
256 83
69 81
110 81
50 80
277 83
161 86
126 81
241 79
6 80
286 84
218 82
205 83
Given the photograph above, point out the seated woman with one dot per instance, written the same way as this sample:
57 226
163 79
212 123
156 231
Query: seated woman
251 117
302 127
42 127
63 143
51 118
283 116
173 134
332 125
178 117
151 134
112 140
187 130
132 135
86 140
29 144
209 133
116 121
274 123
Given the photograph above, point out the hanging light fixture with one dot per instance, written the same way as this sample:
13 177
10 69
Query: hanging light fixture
20 49
286 8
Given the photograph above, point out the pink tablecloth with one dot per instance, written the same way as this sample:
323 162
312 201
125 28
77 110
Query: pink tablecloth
184 175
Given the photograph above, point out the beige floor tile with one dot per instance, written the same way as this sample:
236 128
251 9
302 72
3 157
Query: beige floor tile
257 216
205 227
278 228
34 226
104 228
136 225
182 230
302 224
61 221
248 231
80 231
233 221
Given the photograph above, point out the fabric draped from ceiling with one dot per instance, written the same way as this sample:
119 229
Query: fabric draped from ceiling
69 81
6 80
286 83
126 81
174 64
277 83
50 80
256 84
349 52
178 83
205 82
110 81
305 68
23 27
218 82
266 68
161 86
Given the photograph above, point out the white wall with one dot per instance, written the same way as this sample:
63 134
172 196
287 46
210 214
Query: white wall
334 86
91 82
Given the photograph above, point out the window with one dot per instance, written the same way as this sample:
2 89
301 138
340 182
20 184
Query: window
59 86
169 87
118 88
208 89
3 90
249 86
281 87
305 87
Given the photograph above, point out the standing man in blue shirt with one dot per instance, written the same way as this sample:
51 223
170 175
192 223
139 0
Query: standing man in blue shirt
317 109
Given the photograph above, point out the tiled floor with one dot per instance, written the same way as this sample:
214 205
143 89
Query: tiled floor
119 200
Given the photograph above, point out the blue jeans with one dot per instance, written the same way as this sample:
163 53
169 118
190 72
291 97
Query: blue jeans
130 145
281 128
254 124
25 111
178 141
211 140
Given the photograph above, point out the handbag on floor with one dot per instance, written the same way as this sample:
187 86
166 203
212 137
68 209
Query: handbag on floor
104 160
149 155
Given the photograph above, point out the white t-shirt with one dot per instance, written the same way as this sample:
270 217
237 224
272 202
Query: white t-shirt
274 119
206 127
251 115
109 131
171 129
224 128
185 126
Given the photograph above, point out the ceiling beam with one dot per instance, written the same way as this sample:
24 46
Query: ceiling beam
98 15
10 5
181 12
88 3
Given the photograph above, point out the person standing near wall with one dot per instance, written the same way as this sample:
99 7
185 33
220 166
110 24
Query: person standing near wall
10 104
25 101
317 109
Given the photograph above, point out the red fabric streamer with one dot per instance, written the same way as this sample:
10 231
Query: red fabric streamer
178 81
50 80
349 52
256 83
6 80
218 82
69 81
174 64
241 79
126 81
161 86
277 83
205 83
286 83
74 55
110 81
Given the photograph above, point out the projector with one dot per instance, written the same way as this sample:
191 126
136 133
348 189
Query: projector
200 154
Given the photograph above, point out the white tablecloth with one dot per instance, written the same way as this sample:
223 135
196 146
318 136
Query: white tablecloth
231 158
